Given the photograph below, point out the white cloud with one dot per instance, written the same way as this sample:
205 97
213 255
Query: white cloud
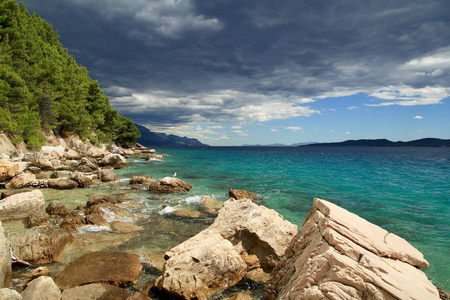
352 107
216 127
418 118
293 128
439 59
236 127
409 96
419 130
347 132
274 130
437 73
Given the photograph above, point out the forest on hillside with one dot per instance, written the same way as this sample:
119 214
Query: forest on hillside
42 88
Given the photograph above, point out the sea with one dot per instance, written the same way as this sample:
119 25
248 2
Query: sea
404 190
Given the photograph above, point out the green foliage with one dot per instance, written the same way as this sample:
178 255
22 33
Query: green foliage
43 88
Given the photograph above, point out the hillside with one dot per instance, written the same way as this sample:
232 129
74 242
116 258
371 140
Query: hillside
43 89
427 142
151 139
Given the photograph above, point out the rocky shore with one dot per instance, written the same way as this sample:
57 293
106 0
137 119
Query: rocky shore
334 255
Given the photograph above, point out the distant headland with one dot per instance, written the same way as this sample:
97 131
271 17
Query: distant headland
426 142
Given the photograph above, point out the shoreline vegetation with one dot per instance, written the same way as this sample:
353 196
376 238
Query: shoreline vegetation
238 244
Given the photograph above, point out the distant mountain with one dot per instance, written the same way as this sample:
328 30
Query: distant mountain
427 142
149 138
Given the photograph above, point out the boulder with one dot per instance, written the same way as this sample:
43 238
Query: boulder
21 180
186 213
108 176
40 245
61 174
338 255
62 183
37 217
117 268
42 288
5 261
242 194
19 206
255 229
8 294
96 199
40 161
56 208
89 165
8 169
72 220
169 185
210 205
59 150
116 161
96 219
72 154
95 291
82 180
201 267
140 180
40 271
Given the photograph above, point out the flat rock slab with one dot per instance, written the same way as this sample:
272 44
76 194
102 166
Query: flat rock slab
95 291
117 268
169 185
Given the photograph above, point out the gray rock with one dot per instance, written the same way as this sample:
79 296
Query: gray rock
5 261
8 294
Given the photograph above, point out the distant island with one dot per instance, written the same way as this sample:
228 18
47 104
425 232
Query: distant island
427 142
152 139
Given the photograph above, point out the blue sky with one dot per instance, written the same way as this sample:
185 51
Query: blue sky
233 72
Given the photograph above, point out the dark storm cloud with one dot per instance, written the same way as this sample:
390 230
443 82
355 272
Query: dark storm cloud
176 61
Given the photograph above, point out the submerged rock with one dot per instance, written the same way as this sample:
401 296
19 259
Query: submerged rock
338 255
201 267
117 268
169 185
19 206
242 194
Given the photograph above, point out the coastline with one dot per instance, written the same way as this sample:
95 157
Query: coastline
197 227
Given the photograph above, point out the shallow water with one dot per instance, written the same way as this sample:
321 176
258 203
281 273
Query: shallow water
404 190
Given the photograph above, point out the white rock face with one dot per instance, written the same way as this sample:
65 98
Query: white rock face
338 255
8 169
19 206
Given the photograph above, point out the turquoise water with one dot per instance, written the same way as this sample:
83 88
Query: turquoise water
404 190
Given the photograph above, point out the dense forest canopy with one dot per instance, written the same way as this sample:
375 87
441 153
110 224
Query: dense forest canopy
43 88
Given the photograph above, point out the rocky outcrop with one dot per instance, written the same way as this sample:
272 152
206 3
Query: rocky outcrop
8 170
338 255
201 267
140 180
169 185
116 161
255 229
82 180
5 260
242 194
42 288
96 199
210 205
96 291
42 244
40 161
117 268
37 217
19 206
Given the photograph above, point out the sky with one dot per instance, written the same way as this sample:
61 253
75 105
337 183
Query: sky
233 72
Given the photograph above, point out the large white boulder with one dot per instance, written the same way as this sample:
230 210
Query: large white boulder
339 255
